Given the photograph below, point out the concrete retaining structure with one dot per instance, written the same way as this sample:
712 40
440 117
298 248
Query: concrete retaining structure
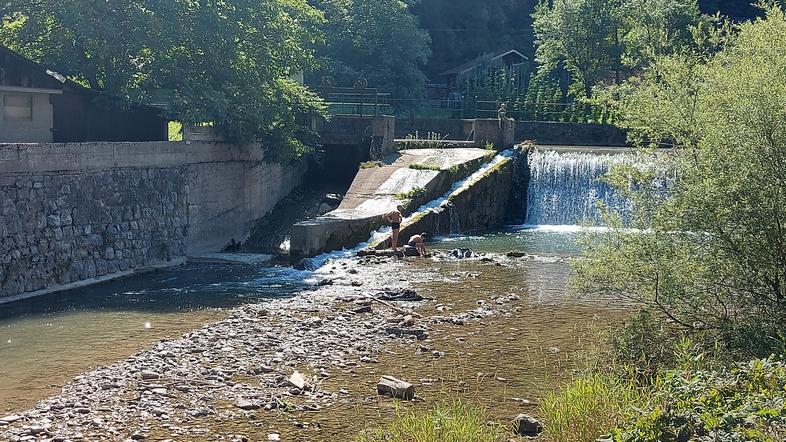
542 132
410 179
481 205
77 213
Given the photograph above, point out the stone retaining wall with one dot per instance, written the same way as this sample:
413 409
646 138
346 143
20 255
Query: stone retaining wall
71 213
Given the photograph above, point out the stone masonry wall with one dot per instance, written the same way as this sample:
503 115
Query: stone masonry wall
71 213
58 229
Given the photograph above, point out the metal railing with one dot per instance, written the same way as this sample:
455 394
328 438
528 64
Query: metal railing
519 110
361 102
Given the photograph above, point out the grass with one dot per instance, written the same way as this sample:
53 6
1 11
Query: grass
447 421
412 194
433 140
589 407
425 167
370 164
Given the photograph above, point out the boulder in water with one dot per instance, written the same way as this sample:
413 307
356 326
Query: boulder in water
462 253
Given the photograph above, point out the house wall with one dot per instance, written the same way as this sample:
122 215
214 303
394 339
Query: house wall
39 130
77 213
78 118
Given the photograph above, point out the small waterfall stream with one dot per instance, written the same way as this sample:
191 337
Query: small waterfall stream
564 187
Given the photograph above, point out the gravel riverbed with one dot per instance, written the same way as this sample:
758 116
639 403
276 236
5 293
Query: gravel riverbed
245 364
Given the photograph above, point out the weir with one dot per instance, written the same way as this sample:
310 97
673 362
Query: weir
565 186
408 179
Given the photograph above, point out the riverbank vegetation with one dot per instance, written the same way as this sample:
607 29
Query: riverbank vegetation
706 260
447 421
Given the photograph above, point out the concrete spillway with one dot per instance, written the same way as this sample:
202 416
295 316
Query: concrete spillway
409 178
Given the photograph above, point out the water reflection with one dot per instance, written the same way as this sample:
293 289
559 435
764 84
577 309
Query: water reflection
50 339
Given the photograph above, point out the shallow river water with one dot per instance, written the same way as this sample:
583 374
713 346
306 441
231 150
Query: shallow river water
506 362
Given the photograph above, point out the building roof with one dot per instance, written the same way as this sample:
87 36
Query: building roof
481 60
16 68
48 80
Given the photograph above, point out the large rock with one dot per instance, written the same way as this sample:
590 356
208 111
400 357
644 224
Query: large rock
526 425
395 388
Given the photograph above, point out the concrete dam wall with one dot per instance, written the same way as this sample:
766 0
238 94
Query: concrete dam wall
541 132
83 212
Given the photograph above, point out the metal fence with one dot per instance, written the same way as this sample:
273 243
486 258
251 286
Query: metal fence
361 102
368 102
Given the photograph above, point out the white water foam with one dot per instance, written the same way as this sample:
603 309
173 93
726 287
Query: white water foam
565 187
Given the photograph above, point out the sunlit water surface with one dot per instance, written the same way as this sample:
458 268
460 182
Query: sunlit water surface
46 341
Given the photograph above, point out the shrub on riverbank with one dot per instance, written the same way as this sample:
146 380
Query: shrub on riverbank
707 250
746 403
454 421
589 406
696 399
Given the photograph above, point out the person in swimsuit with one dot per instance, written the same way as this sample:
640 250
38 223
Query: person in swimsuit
417 241
395 218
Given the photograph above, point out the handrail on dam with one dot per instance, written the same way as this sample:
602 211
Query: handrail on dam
362 102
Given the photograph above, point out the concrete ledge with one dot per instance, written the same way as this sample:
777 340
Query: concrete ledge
411 179
63 157
480 205
86 282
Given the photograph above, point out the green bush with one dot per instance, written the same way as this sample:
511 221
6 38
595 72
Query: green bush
412 194
746 403
431 167
453 421
589 407
370 165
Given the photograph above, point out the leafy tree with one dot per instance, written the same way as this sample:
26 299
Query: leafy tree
595 38
582 34
226 63
656 27
711 256
379 40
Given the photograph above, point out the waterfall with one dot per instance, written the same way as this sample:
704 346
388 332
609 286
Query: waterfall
455 224
564 187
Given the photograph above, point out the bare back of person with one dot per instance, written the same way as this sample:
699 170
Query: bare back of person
418 242
395 218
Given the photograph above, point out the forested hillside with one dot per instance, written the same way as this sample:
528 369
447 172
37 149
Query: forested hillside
464 29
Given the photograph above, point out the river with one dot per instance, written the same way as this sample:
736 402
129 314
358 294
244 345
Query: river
528 343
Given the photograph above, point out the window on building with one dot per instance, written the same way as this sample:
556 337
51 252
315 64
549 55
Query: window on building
18 108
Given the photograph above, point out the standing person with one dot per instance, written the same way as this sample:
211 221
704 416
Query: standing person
417 241
395 218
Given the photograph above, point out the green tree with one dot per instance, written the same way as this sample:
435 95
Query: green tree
223 63
657 27
712 255
581 34
594 39
379 40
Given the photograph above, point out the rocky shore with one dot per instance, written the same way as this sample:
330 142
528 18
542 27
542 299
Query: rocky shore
269 357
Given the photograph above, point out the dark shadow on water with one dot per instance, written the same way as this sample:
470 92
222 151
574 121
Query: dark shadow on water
183 288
